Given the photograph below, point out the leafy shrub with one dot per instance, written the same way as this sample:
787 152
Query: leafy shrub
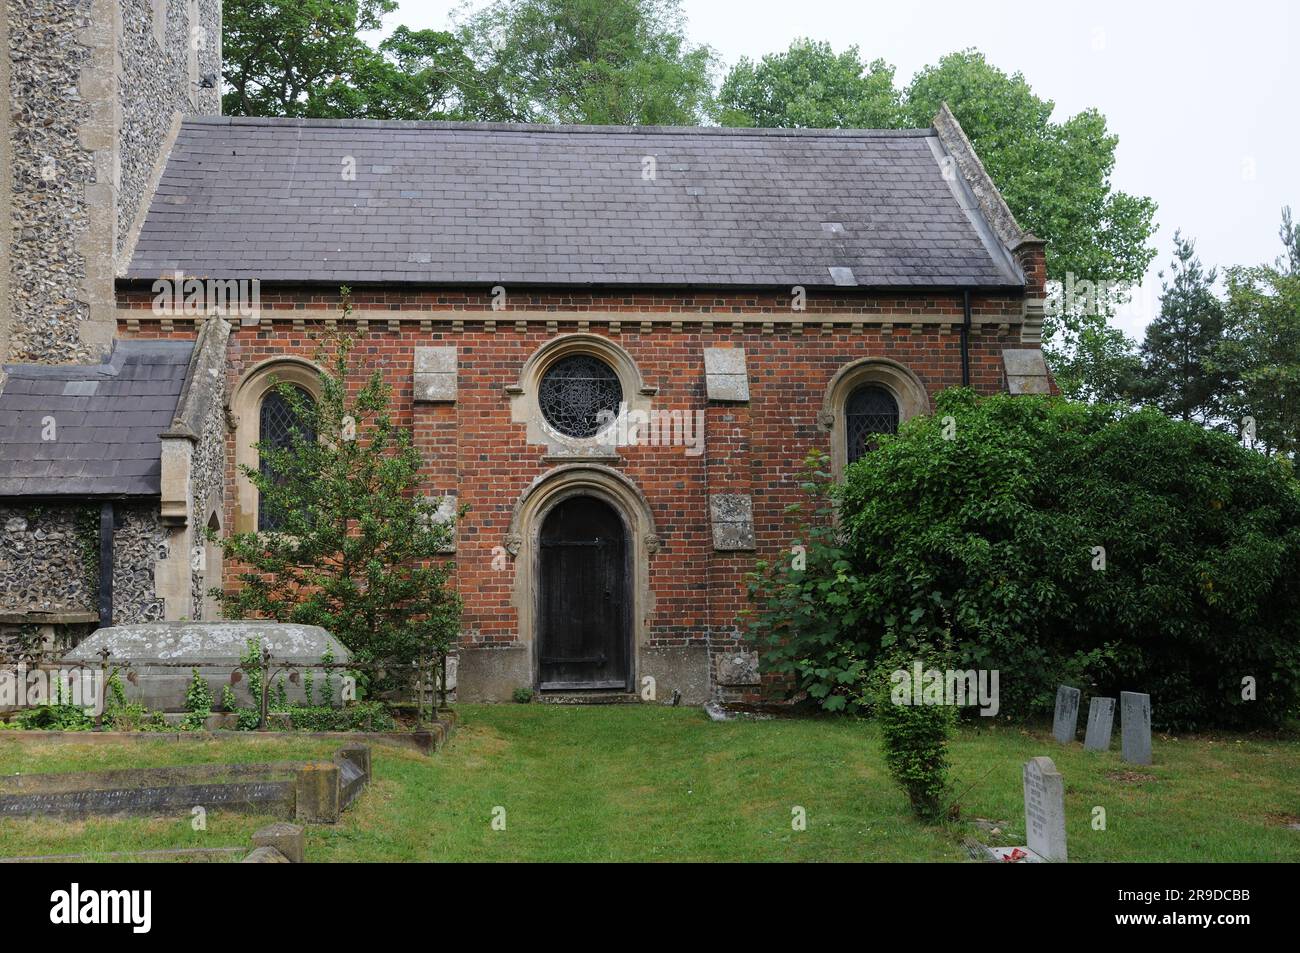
198 702
363 716
522 695
54 718
806 614
1061 542
914 736
134 716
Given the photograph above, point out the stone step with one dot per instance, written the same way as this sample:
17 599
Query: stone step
588 698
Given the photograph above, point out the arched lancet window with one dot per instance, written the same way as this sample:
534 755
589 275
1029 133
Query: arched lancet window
869 411
277 425
576 392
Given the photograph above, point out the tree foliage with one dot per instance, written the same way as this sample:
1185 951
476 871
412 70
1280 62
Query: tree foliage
1178 373
358 549
1260 354
617 62
810 86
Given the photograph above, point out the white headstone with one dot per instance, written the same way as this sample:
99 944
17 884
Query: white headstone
1044 809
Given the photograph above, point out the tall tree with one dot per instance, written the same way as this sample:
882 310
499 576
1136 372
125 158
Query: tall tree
587 61
1261 349
306 58
810 86
1055 176
1178 374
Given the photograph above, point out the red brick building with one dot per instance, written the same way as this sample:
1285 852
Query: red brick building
744 295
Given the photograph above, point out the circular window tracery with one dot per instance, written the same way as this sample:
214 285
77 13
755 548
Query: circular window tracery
579 395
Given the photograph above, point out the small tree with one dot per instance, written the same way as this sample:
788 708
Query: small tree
357 549
1177 373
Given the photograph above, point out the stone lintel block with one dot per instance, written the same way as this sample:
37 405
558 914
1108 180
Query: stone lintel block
726 377
1026 371
737 668
732 516
284 837
316 793
436 374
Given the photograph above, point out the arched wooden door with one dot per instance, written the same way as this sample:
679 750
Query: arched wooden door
584 598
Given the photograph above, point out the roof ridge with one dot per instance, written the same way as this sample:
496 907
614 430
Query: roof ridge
415 125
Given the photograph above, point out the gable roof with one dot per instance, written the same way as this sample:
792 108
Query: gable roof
106 417
484 203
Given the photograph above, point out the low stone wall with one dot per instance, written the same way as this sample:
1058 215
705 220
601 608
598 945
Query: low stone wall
313 792
424 740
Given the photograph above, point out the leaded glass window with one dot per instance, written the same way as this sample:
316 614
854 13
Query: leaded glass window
869 412
575 391
277 424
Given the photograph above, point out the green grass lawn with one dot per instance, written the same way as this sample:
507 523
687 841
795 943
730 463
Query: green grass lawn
654 783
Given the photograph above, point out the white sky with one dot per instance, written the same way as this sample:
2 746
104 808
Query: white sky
1203 96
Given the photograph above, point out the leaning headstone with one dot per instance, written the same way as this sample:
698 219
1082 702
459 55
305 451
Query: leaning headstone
1066 722
1101 719
1044 816
1135 727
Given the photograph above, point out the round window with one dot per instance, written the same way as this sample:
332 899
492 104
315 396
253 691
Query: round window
579 395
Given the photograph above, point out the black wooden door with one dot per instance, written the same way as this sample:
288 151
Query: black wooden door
584 599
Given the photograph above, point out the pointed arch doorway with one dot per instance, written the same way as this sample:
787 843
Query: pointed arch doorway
584 596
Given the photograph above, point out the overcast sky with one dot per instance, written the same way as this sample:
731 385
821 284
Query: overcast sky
1205 97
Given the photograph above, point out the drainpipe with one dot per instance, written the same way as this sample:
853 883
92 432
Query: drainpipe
106 563
965 337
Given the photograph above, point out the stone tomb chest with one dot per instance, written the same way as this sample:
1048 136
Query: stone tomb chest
161 655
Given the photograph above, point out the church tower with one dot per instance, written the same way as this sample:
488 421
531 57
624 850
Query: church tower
94 92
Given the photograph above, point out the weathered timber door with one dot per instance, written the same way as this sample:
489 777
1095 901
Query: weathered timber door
584 599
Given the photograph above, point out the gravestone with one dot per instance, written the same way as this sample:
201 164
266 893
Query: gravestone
1044 790
162 653
1135 727
1101 719
1066 722
1044 809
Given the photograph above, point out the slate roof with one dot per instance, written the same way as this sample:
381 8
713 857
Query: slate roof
107 420
466 203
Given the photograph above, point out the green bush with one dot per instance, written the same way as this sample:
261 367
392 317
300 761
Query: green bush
522 695
914 736
805 613
988 518
54 718
198 702
363 716
1070 542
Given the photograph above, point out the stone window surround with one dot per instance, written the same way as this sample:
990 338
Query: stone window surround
524 407
901 383
245 408
522 544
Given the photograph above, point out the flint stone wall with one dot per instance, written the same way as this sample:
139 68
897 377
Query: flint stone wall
49 170
49 566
